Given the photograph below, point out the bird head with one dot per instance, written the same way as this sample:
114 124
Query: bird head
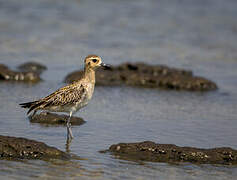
94 61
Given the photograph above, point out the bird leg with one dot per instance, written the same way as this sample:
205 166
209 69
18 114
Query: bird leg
69 129
68 142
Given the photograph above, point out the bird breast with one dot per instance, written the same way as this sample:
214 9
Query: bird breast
89 87
90 90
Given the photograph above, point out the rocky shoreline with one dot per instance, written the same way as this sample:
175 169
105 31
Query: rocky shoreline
29 72
148 76
170 153
14 148
47 118
130 74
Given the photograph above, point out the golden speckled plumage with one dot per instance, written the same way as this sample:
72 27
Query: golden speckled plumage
63 97
72 97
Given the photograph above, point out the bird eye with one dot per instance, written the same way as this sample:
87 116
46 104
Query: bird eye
94 60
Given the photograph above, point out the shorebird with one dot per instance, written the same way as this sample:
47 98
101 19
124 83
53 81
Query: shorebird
72 97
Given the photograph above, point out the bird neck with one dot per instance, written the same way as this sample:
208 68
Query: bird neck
89 74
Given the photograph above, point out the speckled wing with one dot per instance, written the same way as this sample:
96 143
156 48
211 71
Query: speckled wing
70 94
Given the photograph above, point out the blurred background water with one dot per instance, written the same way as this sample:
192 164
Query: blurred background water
196 35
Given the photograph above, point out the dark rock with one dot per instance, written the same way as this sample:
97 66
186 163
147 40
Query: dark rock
148 76
55 119
32 67
7 74
22 148
150 151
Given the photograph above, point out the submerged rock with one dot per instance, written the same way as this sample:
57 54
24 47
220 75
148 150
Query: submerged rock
10 75
150 151
32 67
55 119
149 76
22 148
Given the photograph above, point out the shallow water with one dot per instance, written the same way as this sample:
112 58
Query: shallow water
196 35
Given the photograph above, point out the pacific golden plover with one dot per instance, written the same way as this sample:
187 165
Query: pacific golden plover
72 97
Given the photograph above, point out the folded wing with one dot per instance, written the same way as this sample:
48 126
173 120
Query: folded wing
67 95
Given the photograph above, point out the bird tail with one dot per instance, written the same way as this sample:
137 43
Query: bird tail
31 105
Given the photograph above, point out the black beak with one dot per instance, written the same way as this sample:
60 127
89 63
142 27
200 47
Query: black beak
105 66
